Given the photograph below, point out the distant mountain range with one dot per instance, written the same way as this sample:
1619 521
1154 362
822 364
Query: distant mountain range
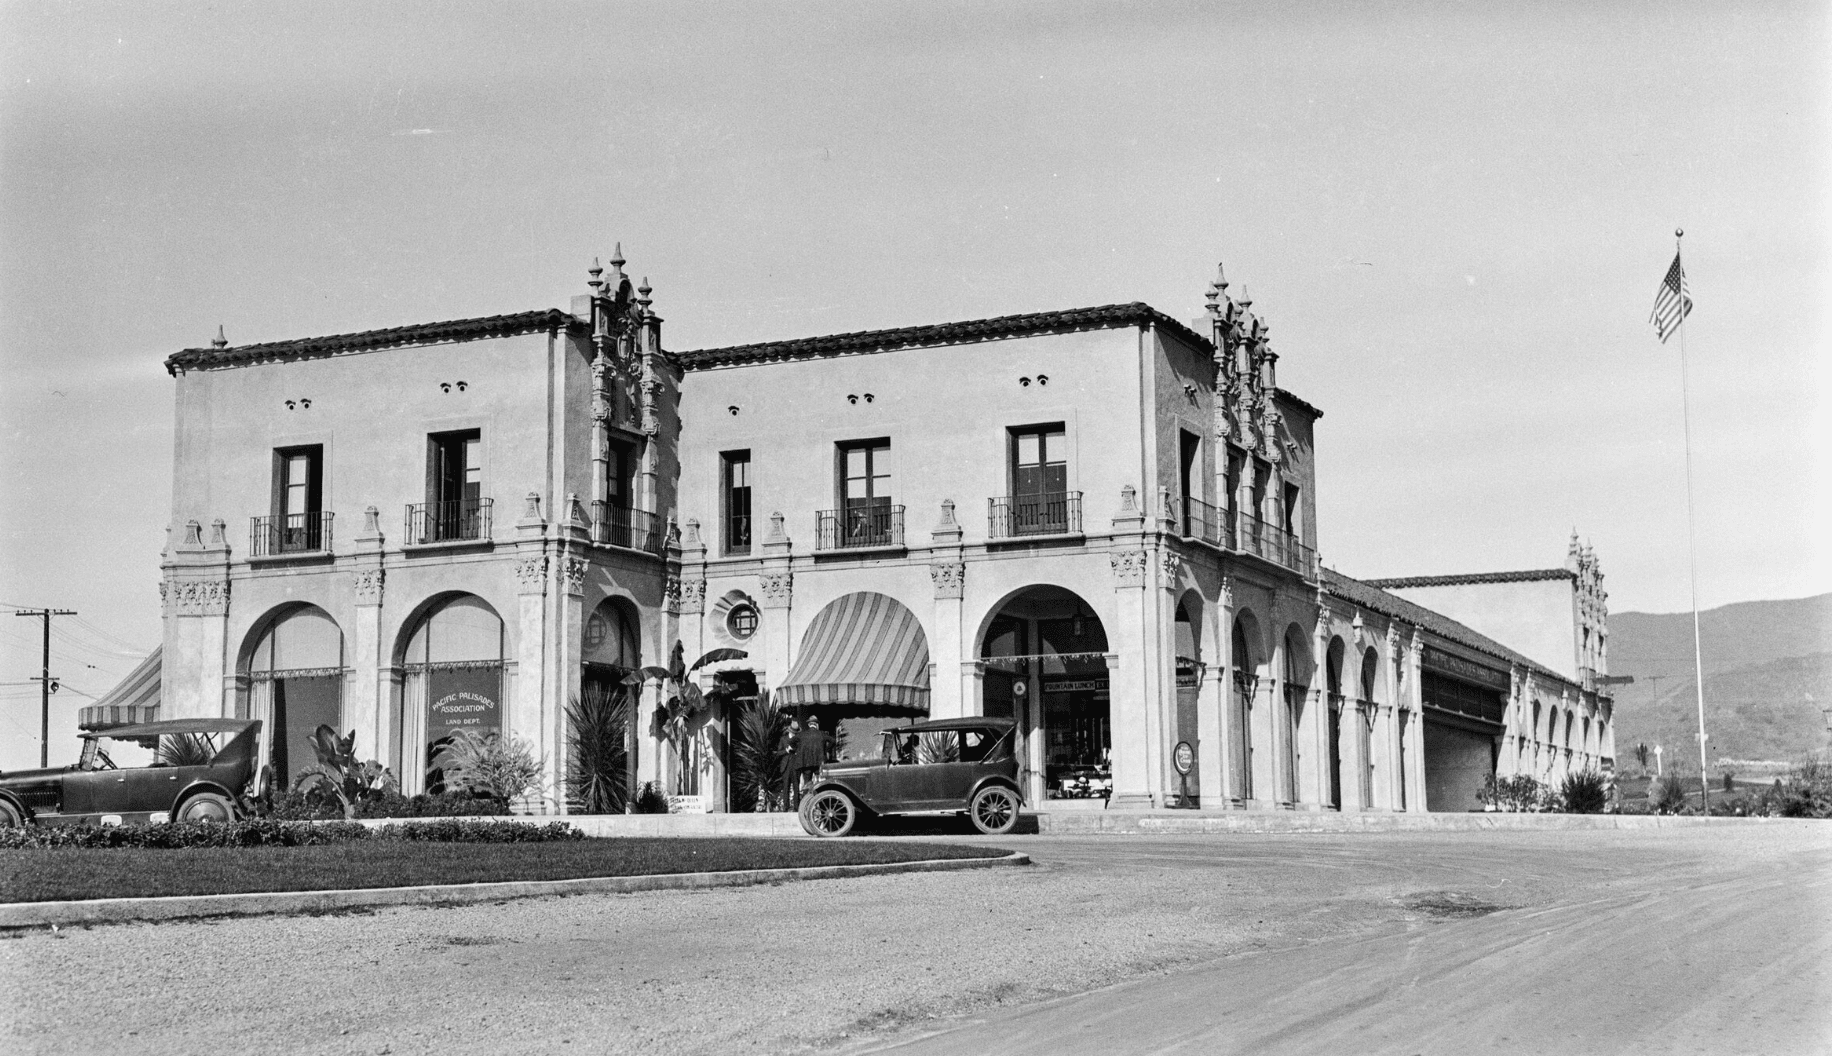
1768 674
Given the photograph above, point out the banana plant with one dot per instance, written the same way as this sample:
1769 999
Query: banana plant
683 702
340 773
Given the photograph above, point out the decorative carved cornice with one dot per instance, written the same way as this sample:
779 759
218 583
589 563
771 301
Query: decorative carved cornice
949 577
778 589
367 584
531 574
1128 568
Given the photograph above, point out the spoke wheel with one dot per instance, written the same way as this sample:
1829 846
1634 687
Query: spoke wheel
10 818
206 808
830 813
994 810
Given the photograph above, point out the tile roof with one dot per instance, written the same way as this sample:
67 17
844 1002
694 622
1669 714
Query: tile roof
369 340
1368 596
1528 576
1005 326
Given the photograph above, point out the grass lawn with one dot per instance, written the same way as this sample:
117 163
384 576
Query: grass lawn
73 874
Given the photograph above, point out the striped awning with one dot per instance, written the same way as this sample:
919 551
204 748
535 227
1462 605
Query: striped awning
864 648
134 701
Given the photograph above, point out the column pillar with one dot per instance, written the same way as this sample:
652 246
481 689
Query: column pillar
1415 742
1284 782
1316 734
947 644
197 678
1393 787
365 709
1129 667
1214 733
1161 692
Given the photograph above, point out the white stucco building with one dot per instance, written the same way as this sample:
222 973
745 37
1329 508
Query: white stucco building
1099 522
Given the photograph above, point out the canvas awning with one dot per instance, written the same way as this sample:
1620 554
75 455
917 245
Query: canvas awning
862 649
134 701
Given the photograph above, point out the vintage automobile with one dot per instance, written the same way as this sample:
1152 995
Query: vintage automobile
199 769
939 766
1083 782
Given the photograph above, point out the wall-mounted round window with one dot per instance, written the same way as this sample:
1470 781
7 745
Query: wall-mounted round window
741 621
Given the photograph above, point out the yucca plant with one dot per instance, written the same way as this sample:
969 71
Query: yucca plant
1583 792
938 748
598 756
1667 795
185 749
760 748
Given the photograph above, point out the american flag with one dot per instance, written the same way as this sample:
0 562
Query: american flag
1673 303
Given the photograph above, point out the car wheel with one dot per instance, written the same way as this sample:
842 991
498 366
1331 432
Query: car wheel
10 818
994 810
829 813
206 808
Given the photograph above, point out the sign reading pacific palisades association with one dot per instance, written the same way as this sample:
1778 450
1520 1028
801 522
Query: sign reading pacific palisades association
465 699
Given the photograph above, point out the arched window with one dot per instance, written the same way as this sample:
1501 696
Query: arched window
611 638
454 681
295 684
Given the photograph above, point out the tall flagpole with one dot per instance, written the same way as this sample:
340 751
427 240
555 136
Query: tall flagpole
1698 654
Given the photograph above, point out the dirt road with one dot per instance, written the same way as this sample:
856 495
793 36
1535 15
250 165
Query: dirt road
853 964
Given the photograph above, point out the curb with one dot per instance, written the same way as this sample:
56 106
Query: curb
1189 822
267 903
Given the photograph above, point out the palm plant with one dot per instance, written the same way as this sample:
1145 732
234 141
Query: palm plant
598 757
760 749
185 749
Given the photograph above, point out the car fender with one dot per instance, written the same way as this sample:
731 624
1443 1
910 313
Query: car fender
17 804
1002 781
203 786
839 786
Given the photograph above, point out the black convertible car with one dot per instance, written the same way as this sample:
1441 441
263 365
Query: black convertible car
943 765
200 767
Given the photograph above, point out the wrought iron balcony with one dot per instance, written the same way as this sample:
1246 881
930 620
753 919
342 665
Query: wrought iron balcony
1017 516
293 533
631 529
462 520
859 527
1272 543
1207 523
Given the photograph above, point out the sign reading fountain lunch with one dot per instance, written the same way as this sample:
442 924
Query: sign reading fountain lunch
464 699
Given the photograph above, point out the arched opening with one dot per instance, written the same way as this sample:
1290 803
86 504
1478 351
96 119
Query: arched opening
295 678
1333 682
1297 692
1045 660
612 646
862 667
1188 628
1243 689
453 680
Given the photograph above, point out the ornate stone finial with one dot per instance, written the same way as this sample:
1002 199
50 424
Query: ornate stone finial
1129 499
617 261
596 270
219 539
531 511
575 511
1245 302
193 536
777 533
219 341
643 291
1221 278
690 539
947 515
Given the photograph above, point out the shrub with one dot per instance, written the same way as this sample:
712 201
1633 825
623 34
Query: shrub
597 763
1516 795
650 800
1583 792
760 758
315 805
487 765
338 775
266 832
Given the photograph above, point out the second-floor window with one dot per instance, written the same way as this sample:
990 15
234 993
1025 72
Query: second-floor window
455 506
735 500
298 499
1291 508
865 492
1039 480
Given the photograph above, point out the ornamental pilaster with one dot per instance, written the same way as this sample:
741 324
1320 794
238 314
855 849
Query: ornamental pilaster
1171 563
367 585
693 595
572 571
949 577
1128 568
778 589
531 574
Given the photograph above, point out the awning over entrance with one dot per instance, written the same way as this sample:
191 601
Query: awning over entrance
864 648
135 700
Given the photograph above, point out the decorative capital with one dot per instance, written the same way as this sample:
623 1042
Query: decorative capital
671 594
950 578
367 583
1172 563
778 589
573 569
1128 568
531 574
1227 591
693 595
199 597
1361 631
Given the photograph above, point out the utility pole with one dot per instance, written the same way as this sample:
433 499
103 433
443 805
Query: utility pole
44 682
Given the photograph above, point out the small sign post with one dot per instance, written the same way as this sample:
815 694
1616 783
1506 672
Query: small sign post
1183 757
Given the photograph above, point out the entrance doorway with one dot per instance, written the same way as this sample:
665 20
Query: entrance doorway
1046 668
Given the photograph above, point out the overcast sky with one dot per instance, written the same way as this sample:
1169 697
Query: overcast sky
1454 217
